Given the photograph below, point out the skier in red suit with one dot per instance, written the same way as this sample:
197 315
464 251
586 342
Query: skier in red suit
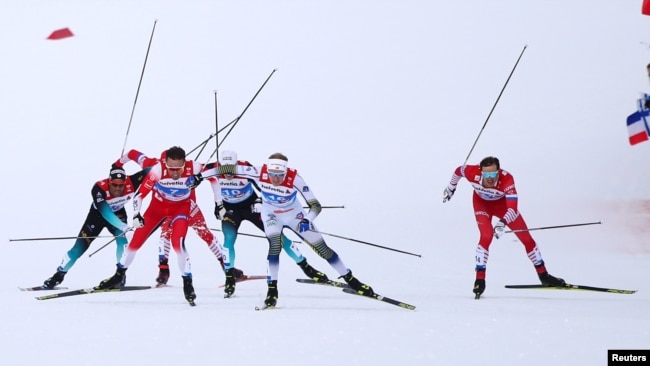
197 222
171 182
495 195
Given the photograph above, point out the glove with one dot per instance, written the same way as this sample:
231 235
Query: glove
193 181
138 221
447 194
116 166
256 207
219 211
499 229
304 225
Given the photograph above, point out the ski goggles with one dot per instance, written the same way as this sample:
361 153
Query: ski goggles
490 174
276 175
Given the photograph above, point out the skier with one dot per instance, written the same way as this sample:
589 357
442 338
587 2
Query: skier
241 203
495 195
279 187
107 211
171 181
197 222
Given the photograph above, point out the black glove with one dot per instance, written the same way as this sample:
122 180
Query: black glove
115 166
219 211
138 221
194 181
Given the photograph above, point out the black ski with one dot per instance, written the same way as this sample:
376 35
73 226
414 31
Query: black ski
573 287
381 298
90 290
326 283
41 288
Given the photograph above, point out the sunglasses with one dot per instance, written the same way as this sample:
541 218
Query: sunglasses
490 174
276 175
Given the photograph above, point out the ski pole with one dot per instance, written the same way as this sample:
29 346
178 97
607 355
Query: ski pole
242 113
63 238
554 227
371 244
100 248
203 143
253 235
340 206
139 84
216 125
494 106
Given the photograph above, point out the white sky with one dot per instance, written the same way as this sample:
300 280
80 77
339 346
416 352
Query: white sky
375 103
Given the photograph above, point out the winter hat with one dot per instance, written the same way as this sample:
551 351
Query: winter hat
118 173
228 157
228 162
276 166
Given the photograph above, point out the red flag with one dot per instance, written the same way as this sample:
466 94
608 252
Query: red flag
60 34
645 8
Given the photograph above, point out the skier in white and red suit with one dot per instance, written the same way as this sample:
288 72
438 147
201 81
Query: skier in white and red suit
495 195
171 182
197 222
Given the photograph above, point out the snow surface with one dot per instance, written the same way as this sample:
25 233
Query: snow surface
375 103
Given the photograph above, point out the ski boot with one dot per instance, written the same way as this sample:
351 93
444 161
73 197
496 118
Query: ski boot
311 272
113 282
188 290
356 285
229 287
551 281
272 294
163 273
479 288
56 279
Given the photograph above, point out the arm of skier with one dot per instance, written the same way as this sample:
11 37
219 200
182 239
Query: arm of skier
136 156
314 205
104 209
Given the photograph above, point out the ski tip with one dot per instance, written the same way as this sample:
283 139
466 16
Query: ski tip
264 307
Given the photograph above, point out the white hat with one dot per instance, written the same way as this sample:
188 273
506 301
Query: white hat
228 157
276 166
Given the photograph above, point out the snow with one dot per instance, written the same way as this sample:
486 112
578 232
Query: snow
375 103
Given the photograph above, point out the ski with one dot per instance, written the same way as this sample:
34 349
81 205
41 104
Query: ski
381 298
265 307
247 278
41 288
326 283
90 290
573 287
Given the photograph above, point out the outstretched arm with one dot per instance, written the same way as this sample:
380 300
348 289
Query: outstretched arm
137 157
